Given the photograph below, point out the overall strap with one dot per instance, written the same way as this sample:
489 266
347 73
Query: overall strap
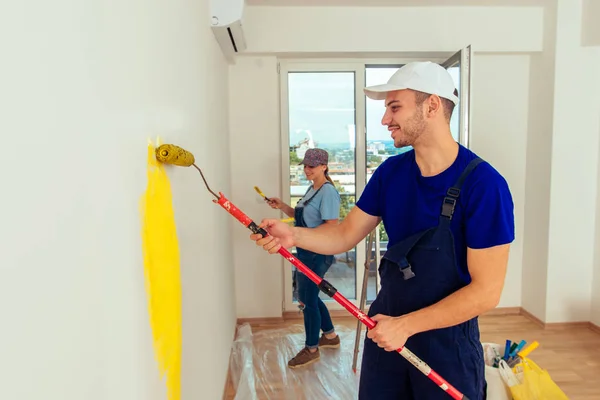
314 194
305 193
452 194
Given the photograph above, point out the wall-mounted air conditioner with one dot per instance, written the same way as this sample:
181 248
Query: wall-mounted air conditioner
226 22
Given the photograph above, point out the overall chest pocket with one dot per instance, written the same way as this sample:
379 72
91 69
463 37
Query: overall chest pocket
436 247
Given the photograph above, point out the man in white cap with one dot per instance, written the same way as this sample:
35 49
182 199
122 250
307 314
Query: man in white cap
450 221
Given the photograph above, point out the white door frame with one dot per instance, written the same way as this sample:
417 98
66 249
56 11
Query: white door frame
463 59
360 164
358 67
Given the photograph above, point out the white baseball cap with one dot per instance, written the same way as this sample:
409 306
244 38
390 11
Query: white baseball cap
423 76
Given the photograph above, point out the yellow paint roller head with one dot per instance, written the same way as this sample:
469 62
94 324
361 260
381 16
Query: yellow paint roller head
175 155
171 154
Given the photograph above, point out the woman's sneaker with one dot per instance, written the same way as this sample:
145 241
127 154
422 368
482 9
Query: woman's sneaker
303 358
329 343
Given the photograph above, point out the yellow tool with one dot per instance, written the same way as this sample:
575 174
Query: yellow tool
171 154
525 352
261 193
286 220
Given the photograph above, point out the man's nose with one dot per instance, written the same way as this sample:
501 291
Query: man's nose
387 118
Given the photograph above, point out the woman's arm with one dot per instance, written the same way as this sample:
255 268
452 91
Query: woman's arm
289 211
276 203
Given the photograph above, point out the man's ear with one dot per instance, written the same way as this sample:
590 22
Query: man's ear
434 105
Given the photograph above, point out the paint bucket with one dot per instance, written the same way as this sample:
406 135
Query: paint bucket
496 388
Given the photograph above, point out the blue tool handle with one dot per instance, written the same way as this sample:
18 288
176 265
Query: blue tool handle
506 350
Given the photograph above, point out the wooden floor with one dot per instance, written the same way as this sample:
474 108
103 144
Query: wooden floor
570 354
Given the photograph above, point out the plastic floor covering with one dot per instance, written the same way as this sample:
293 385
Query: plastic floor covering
259 370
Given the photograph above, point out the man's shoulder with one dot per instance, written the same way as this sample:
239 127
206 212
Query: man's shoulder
485 174
488 211
396 163
399 159
485 185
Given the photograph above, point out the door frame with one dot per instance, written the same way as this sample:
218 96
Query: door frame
463 58
358 67
284 68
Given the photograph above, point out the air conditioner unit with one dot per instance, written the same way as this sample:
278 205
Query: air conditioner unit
226 21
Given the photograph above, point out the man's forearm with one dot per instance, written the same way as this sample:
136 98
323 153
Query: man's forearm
332 238
328 239
464 304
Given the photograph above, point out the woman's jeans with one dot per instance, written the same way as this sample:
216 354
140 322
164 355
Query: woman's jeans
316 314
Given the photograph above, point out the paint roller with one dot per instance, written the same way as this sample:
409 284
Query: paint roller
174 155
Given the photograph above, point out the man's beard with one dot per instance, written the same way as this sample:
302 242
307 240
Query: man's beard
411 130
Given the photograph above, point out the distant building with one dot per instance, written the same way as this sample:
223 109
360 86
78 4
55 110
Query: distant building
303 145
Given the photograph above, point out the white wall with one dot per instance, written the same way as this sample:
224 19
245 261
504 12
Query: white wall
392 29
595 308
537 175
499 134
590 30
573 188
255 161
84 84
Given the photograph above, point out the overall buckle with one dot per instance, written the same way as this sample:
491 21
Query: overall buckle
448 207
407 272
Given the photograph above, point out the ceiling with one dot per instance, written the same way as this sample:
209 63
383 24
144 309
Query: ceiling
399 3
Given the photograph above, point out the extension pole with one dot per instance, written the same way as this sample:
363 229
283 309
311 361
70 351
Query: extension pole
332 292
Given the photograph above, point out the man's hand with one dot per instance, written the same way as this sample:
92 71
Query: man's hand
280 234
390 333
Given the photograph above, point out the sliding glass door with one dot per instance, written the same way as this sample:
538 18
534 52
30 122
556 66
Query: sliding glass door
323 105
320 108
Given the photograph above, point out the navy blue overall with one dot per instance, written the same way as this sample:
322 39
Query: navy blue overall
316 315
415 273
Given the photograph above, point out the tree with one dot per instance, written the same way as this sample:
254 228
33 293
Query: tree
294 159
344 200
383 237
373 161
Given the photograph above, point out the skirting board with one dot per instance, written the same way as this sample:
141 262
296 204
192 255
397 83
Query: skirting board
560 325
296 315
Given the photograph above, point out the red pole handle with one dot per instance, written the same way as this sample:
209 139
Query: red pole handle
332 292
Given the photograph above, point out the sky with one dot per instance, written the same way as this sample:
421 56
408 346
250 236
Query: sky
323 103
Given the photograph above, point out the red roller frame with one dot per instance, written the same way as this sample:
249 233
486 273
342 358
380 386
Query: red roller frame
328 289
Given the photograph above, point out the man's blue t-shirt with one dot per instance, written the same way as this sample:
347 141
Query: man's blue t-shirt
324 206
408 202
